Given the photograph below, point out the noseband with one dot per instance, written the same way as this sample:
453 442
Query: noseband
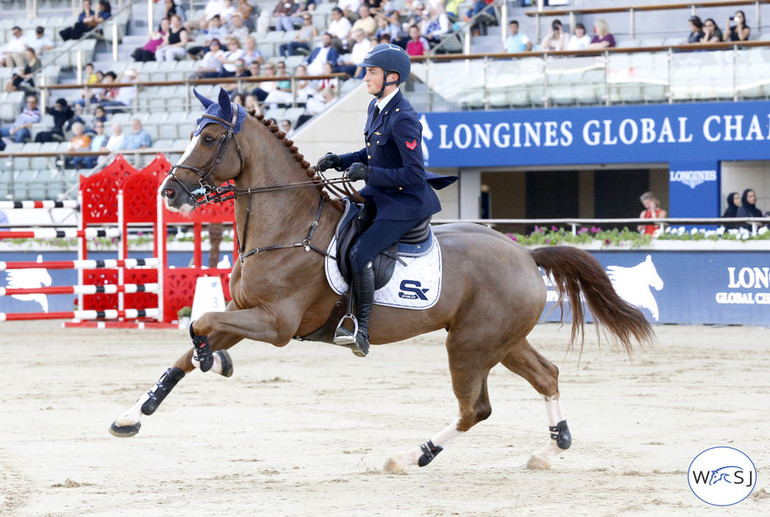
208 192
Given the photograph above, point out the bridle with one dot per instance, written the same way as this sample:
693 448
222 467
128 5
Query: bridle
209 193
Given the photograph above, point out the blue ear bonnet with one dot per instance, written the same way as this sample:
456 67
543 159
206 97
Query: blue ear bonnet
223 110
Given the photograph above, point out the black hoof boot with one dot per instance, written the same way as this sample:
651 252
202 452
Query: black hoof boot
161 389
560 433
202 350
429 453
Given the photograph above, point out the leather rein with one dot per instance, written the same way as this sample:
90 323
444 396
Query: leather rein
207 193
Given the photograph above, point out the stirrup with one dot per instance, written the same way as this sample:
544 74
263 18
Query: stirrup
343 336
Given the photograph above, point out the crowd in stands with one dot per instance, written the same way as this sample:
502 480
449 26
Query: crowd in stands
557 39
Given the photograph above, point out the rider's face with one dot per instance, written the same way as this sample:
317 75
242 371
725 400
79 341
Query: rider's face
373 80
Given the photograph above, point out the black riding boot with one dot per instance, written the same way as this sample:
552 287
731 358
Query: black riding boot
363 292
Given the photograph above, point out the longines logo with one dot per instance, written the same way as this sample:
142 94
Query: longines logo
692 178
722 476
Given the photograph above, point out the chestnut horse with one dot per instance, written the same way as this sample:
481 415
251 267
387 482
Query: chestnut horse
492 296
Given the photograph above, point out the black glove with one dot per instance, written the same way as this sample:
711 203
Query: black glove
328 161
359 171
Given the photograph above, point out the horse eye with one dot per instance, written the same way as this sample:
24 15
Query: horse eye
208 140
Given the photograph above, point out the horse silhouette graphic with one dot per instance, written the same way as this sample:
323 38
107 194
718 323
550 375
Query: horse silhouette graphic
427 134
633 285
29 279
717 475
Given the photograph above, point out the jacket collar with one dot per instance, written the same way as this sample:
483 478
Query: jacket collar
373 125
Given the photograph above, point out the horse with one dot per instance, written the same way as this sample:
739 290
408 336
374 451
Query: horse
492 294
633 285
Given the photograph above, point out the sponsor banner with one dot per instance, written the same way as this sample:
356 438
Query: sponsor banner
714 287
694 189
617 134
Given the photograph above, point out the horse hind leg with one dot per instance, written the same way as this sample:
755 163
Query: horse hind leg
128 423
543 375
470 387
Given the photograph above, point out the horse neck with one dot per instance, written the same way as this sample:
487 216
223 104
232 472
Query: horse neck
278 216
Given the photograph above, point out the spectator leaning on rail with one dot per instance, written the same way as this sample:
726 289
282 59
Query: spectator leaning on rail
517 42
711 32
19 131
556 39
125 96
738 32
748 207
602 38
696 30
651 210
579 39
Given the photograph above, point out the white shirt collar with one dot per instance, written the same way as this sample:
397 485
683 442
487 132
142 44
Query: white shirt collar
385 100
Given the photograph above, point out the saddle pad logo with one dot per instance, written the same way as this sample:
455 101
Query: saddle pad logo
414 286
411 145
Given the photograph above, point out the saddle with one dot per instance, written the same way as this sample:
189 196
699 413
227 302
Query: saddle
356 219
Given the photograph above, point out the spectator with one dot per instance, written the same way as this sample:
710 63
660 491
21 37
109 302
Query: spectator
748 206
229 57
486 16
651 210
286 128
436 25
265 87
107 93
138 138
62 113
388 24
40 43
696 30
252 103
212 9
255 69
302 40
147 52
245 9
738 32
330 83
115 143
24 80
517 42
103 12
209 65
174 43
79 142
174 7
214 31
283 11
89 74
100 115
87 20
733 203
239 99
12 53
282 92
339 28
602 39
579 39
251 53
98 143
417 45
125 95
226 12
316 105
365 22
237 28
711 33
304 87
240 72
20 129
349 62
322 54
349 8
556 39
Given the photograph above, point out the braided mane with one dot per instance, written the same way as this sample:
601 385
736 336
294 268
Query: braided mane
310 171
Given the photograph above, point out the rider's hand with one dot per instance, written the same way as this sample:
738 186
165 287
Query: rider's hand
328 161
359 171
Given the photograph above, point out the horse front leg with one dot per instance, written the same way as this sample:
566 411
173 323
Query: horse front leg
128 423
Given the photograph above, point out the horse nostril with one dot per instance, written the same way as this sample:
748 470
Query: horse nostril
170 193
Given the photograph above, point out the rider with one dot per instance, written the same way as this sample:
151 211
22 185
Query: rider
397 185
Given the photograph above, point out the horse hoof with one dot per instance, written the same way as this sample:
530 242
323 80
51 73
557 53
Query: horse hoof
124 431
538 463
226 362
394 467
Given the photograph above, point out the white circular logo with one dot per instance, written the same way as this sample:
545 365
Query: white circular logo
722 476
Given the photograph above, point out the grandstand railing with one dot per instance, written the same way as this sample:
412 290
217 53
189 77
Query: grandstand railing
629 75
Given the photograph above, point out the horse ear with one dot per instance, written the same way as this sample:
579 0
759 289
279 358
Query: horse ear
225 105
206 102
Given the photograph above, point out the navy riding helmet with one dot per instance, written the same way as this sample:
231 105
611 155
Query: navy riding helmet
391 58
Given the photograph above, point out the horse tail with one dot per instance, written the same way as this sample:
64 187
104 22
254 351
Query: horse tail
573 271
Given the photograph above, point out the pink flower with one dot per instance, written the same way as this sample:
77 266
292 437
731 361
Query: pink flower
548 241
554 229
606 241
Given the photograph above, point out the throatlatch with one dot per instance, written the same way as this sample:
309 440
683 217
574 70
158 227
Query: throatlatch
202 350
161 389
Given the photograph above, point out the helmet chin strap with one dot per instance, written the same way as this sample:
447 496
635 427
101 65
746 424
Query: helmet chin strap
385 83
